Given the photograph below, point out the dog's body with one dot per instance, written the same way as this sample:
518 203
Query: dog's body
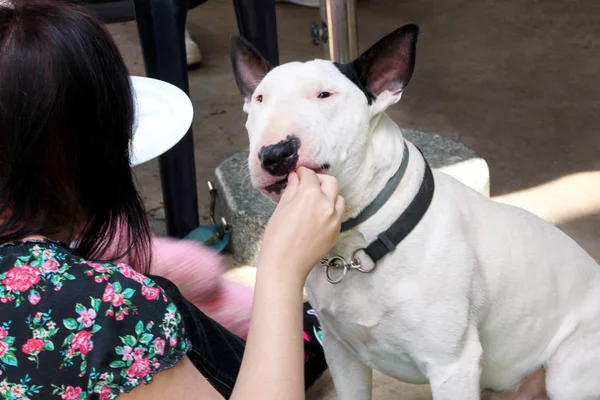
479 295
476 284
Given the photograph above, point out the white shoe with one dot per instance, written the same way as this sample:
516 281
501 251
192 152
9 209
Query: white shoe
305 3
194 56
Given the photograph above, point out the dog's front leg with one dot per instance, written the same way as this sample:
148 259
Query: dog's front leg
351 378
460 377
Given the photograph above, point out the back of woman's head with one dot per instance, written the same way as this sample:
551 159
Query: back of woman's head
66 117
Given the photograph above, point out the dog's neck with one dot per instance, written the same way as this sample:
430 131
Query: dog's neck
361 182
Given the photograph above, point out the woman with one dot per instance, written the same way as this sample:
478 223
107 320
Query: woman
75 327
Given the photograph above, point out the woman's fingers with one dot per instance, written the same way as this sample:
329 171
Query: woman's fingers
329 186
307 177
291 188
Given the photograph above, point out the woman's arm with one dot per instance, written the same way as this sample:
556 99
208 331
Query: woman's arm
303 228
273 367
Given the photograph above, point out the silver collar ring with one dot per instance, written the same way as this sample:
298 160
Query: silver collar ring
358 264
337 263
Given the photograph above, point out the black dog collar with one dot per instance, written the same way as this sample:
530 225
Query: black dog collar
388 240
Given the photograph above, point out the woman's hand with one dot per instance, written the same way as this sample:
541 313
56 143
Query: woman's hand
305 225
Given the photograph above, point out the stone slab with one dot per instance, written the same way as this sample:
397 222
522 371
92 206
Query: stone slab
248 211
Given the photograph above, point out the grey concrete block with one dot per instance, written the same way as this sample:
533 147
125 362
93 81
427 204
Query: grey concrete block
248 211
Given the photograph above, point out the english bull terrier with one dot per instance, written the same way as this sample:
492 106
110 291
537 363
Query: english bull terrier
435 283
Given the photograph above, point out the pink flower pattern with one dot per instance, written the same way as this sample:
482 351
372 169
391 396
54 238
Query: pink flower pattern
87 317
114 317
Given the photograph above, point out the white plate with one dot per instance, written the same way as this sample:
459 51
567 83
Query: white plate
164 114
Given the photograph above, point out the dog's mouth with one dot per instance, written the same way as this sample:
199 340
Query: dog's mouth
280 185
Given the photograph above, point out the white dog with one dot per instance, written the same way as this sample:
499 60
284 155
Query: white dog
466 294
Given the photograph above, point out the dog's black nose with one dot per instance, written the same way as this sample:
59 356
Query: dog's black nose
280 159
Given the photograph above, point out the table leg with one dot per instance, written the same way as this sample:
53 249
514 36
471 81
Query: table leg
161 25
257 22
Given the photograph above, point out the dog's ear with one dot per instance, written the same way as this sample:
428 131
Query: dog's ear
386 68
249 67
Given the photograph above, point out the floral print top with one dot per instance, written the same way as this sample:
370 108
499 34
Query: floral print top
76 329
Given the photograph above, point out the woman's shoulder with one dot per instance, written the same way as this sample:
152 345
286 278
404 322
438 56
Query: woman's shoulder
32 271
97 327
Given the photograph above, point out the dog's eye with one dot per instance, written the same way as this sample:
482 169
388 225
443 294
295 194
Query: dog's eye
259 98
324 95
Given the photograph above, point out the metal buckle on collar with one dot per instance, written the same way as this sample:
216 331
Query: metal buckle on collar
224 226
339 262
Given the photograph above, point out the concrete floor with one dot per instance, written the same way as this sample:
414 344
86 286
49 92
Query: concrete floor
516 80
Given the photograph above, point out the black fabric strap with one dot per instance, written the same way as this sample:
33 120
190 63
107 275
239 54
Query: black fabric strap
400 229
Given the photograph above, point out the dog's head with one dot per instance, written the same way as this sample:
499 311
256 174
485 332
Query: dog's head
317 114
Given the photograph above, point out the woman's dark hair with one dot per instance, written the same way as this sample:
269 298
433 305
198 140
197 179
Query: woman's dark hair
66 118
